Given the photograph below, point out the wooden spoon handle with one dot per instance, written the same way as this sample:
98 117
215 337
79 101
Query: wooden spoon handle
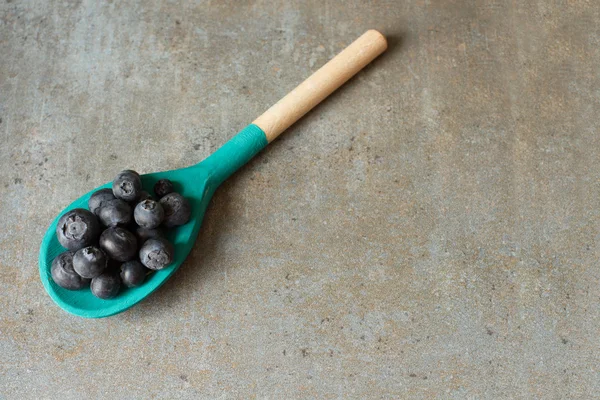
321 84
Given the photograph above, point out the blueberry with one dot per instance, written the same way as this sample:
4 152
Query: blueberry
156 253
89 262
163 188
127 185
115 212
145 196
148 214
64 275
106 286
177 209
144 234
133 273
77 228
118 244
98 198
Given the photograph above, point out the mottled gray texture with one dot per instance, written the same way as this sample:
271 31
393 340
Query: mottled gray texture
430 231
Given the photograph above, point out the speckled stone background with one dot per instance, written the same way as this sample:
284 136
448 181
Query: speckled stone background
430 231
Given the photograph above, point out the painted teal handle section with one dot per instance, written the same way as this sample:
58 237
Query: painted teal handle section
235 153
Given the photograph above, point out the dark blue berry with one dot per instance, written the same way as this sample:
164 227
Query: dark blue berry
119 244
148 214
156 253
89 262
106 286
114 212
77 228
64 275
96 200
133 273
127 186
177 209
163 188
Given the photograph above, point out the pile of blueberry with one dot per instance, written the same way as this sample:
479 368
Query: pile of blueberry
118 241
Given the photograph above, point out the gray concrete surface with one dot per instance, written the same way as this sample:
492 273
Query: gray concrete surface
430 231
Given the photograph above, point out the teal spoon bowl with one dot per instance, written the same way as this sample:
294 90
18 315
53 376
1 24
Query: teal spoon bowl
197 184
